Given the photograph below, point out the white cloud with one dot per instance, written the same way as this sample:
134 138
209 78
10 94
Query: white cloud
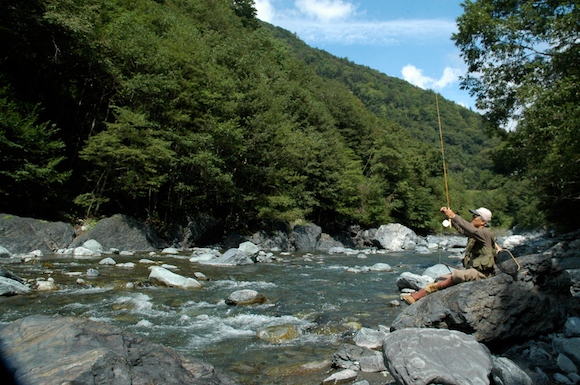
265 10
325 9
415 76
364 32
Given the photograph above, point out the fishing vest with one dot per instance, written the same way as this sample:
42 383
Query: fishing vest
479 257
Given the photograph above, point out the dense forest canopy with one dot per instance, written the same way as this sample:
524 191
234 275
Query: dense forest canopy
157 109
524 65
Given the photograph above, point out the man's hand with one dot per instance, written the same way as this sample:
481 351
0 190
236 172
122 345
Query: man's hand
449 214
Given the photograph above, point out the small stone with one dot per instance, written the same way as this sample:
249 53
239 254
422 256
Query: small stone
340 377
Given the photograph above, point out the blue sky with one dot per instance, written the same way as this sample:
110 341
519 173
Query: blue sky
408 39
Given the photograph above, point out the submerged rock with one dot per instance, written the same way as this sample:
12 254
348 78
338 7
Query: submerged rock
278 334
57 350
245 297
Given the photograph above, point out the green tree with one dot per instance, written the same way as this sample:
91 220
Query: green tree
30 155
524 65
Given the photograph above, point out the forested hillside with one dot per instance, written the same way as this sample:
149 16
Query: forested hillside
160 109
467 146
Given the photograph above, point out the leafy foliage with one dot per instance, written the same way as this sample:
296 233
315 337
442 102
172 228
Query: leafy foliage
523 59
166 108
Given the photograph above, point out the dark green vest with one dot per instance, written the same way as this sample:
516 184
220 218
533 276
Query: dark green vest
480 257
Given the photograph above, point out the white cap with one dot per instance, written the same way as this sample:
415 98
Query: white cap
484 213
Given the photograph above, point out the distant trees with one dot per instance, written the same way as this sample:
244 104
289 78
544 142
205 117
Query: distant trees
524 65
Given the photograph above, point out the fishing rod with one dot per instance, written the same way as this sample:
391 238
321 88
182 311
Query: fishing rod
446 223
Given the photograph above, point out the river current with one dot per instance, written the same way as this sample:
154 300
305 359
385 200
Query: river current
312 292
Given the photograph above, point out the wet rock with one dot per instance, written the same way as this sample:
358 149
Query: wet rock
23 235
381 267
278 334
170 250
10 287
232 257
10 275
306 237
341 377
506 372
171 279
428 356
245 297
95 353
370 338
500 308
358 358
107 261
121 232
46 286
413 281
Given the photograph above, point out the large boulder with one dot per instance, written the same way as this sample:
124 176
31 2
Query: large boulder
232 257
428 356
396 237
121 232
500 308
57 350
306 237
23 235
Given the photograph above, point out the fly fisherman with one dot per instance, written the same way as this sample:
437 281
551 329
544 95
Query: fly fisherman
479 257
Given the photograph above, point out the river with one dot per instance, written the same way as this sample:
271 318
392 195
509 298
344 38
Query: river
313 292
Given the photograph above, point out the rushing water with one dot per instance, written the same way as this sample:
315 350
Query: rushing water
314 293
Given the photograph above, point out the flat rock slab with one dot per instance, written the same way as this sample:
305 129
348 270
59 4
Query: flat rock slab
56 350
432 356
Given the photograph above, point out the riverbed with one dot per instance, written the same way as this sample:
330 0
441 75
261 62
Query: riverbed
314 293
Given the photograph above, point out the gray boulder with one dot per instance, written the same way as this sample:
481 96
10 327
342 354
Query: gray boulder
245 297
500 308
396 237
57 350
358 358
121 232
306 237
232 257
430 356
10 287
23 235
437 270
570 347
506 372
413 281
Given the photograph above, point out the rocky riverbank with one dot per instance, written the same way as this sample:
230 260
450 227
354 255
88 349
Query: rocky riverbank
510 329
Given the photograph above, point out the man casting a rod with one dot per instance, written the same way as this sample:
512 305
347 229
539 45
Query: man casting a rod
480 253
